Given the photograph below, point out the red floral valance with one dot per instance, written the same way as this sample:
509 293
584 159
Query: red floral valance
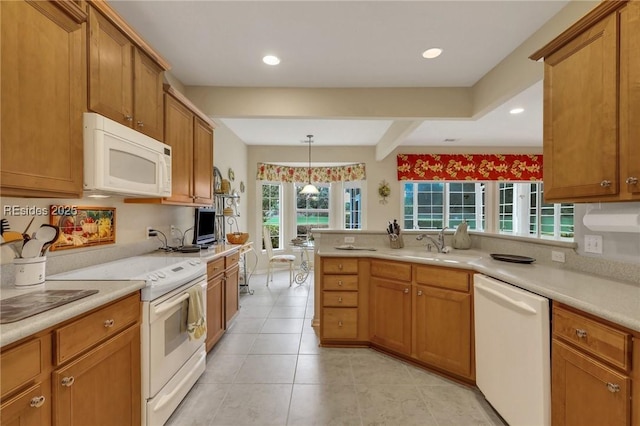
469 167
277 173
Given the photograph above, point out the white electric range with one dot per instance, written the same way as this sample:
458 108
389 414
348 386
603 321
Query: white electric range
171 362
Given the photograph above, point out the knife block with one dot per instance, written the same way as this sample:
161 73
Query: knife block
396 241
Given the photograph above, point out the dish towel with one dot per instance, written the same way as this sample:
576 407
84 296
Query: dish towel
196 325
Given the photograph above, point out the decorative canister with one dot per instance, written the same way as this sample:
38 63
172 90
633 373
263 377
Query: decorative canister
461 238
30 270
225 186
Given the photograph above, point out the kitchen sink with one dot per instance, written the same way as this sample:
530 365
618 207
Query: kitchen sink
25 305
453 257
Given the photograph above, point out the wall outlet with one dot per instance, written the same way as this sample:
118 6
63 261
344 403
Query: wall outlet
150 233
593 244
557 256
349 239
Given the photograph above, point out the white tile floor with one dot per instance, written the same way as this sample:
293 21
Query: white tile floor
269 370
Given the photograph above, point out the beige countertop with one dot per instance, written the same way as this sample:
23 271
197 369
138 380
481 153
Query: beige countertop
108 291
615 301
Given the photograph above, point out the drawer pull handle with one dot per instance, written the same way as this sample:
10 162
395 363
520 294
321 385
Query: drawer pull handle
340 299
128 117
339 323
68 381
340 283
406 291
340 266
109 323
581 333
37 401
605 183
613 388
140 123
419 292
631 180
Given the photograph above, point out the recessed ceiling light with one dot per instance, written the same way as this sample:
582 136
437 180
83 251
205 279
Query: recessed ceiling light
271 60
98 196
434 52
516 111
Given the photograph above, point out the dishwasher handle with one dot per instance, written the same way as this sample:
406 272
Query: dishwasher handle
514 304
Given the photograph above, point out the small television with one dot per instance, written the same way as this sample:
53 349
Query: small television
204 230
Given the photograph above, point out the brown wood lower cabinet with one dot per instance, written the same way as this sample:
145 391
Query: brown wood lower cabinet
215 310
586 392
98 383
442 325
592 371
101 387
391 314
421 312
232 300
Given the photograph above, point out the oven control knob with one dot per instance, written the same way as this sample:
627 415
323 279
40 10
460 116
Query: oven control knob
152 277
161 274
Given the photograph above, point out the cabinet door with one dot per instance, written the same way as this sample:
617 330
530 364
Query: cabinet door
630 99
103 386
179 135
110 70
43 62
147 96
231 293
580 116
442 327
30 408
391 314
585 392
215 310
202 162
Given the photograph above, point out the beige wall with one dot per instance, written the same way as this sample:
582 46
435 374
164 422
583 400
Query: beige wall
131 219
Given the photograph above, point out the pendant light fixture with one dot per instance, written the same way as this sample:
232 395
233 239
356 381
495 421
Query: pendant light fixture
309 189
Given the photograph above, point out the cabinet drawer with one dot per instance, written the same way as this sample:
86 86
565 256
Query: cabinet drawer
85 332
340 282
392 270
31 407
231 260
340 266
215 267
24 363
451 279
610 344
340 323
340 298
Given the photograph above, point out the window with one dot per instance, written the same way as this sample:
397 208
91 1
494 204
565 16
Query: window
523 211
352 206
433 205
271 202
311 211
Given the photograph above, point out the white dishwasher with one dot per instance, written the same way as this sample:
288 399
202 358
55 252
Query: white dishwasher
512 351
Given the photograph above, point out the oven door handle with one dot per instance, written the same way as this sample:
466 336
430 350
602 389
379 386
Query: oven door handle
166 307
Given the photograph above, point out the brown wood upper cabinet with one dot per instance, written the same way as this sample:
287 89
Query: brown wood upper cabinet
192 141
125 84
44 71
592 107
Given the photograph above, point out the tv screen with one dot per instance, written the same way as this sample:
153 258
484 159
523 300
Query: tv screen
204 232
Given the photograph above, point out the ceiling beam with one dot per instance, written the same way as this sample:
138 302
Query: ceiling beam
394 136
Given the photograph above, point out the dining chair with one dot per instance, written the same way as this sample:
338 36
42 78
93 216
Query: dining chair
278 259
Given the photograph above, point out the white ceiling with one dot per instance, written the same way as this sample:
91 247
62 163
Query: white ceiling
348 44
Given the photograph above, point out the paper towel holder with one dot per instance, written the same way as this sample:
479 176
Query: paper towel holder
620 220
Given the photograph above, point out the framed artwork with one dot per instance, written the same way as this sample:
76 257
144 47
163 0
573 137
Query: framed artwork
217 181
83 226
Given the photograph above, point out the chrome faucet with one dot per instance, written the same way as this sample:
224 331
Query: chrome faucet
439 243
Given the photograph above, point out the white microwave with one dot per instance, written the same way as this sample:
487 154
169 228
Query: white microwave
121 161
